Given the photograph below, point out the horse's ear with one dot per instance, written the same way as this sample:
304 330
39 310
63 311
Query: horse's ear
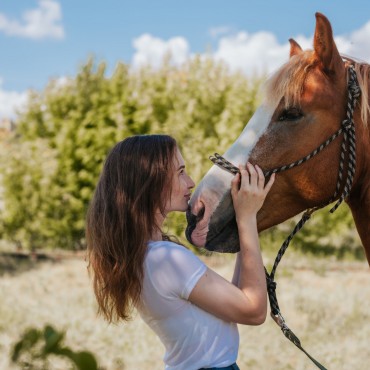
295 49
325 47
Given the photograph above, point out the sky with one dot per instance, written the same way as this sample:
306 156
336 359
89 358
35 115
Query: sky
50 39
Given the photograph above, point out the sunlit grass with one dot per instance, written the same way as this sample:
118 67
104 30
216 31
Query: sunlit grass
324 301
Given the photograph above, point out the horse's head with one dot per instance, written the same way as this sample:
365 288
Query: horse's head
305 102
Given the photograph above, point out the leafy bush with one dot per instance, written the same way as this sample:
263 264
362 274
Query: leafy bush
325 234
51 164
36 349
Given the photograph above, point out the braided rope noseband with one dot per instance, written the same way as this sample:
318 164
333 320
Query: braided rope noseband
349 136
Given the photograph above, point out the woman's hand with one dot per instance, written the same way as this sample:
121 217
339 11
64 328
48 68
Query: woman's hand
248 198
244 301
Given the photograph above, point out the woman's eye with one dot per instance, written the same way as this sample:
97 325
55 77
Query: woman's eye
290 114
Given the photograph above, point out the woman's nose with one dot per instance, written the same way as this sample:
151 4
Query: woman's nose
191 184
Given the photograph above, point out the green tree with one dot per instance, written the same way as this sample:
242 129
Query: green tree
62 138
325 234
51 165
36 348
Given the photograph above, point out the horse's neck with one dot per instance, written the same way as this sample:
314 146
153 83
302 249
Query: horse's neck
360 208
359 200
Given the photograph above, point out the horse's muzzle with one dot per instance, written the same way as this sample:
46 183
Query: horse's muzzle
192 223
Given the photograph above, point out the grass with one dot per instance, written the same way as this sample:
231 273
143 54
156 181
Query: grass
324 301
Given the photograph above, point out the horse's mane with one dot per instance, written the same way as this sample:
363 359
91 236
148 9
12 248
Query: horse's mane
288 81
363 77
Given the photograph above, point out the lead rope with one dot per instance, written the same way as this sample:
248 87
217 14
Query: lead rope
349 140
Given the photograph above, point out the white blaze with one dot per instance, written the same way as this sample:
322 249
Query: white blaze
239 152
217 181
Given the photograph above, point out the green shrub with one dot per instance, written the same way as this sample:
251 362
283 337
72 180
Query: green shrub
37 348
51 164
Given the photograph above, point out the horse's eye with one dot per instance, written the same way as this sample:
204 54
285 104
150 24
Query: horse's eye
290 114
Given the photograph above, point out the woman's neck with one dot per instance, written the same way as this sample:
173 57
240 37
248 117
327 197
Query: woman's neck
157 233
156 236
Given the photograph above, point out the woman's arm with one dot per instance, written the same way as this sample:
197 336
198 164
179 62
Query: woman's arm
235 279
246 301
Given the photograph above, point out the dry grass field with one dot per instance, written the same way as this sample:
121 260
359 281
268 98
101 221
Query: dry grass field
325 302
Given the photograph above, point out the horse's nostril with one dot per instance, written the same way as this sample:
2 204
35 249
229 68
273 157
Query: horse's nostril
200 213
190 218
192 223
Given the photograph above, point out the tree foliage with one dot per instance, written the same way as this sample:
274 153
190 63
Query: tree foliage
325 234
36 349
53 162
51 165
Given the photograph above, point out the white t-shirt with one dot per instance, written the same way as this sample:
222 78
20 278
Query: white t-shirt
193 338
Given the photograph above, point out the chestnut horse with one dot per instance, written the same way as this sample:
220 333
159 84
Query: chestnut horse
305 103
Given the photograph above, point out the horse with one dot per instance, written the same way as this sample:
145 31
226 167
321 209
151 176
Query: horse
304 103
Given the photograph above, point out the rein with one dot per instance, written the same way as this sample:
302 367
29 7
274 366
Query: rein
347 128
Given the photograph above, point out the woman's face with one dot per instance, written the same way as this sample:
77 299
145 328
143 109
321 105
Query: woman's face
181 186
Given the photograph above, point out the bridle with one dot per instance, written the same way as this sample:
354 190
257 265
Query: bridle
347 128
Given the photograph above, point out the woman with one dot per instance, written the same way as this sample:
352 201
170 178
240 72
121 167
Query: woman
192 309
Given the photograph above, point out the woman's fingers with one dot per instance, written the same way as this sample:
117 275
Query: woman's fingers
257 173
251 176
253 179
235 183
270 182
261 177
243 177
248 190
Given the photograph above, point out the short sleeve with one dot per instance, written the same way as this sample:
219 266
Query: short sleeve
173 269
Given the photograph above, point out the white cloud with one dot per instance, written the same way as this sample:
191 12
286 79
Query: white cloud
217 31
251 53
304 42
254 54
357 44
42 22
261 52
11 101
151 51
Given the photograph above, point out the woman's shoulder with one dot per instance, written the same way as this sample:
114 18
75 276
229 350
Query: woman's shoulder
165 245
169 249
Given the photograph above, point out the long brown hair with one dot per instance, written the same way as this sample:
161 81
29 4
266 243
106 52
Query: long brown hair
133 186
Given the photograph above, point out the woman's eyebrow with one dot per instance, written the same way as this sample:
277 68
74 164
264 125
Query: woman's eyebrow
181 167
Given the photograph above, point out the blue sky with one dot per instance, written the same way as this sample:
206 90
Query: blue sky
43 39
